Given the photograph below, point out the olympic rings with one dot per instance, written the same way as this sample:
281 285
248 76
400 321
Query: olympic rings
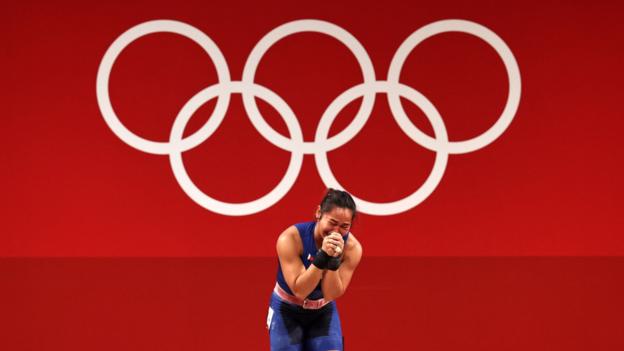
321 144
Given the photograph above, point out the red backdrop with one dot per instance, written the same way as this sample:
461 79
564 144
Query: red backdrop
550 185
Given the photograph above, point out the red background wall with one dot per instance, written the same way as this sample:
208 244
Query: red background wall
548 187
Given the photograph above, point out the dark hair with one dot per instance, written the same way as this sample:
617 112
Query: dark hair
337 198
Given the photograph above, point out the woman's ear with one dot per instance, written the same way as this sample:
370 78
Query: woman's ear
317 214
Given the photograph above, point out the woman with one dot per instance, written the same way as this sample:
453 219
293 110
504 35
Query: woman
316 263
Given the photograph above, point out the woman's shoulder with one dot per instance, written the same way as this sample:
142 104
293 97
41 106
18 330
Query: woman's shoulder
290 238
304 227
353 243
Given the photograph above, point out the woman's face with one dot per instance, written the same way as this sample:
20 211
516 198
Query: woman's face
338 219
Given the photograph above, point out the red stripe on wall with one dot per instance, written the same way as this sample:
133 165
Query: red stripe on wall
477 303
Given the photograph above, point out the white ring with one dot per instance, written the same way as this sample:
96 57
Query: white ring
513 74
322 164
368 73
103 75
235 209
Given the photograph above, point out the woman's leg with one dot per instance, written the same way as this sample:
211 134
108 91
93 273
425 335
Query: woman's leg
284 332
325 333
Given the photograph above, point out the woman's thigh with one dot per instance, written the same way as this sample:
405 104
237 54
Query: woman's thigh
325 333
284 333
